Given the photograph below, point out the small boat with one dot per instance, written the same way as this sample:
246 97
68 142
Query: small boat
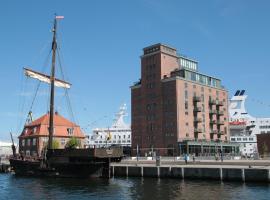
67 162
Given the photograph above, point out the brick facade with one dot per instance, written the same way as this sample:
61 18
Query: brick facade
173 103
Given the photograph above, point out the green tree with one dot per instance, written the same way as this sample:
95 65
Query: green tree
73 143
55 144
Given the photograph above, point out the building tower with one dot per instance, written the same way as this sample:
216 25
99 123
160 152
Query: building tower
176 109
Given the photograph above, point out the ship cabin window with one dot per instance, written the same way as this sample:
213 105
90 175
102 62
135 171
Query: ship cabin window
232 139
70 131
128 136
238 139
250 139
34 142
96 141
244 139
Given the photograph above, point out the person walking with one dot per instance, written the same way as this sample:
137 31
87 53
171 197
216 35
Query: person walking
186 158
193 157
221 156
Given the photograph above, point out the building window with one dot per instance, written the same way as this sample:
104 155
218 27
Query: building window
186 94
63 142
186 105
34 141
28 142
70 131
186 113
232 139
186 85
202 89
23 142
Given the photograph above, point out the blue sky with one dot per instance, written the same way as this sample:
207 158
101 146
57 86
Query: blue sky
101 43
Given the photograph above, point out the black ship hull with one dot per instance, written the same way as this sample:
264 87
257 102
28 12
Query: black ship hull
70 163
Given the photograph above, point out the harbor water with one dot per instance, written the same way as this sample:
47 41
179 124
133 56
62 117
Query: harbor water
13 187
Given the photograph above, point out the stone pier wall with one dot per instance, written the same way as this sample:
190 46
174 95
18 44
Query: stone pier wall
224 174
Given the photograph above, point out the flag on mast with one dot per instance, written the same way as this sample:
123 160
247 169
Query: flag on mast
59 17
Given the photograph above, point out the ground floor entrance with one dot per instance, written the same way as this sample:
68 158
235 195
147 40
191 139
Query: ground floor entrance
204 148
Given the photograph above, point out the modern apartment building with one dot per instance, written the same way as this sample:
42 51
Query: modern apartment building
175 108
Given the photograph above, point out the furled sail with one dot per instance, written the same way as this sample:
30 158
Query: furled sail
45 78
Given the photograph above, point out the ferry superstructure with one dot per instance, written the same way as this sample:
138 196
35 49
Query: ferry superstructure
244 127
118 134
5 148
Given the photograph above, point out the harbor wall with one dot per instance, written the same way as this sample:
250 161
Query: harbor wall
185 172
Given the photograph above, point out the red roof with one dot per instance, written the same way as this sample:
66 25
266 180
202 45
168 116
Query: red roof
39 127
58 121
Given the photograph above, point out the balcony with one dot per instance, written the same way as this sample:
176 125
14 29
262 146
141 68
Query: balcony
220 133
220 122
213 131
197 120
197 109
196 99
197 130
220 112
213 121
219 103
212 112
212 101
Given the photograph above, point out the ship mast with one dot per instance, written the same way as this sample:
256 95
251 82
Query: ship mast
52 77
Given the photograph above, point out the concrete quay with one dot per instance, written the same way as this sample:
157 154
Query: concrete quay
229 170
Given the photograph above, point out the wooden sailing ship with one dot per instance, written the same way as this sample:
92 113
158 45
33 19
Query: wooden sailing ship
68 162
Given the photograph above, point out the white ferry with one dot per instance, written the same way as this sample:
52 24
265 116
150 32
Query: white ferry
244 127
118 134
5 148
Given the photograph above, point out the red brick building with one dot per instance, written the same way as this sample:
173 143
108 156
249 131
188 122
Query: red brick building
175 108
35 134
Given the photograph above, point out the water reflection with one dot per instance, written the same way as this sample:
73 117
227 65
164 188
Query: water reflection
13 187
